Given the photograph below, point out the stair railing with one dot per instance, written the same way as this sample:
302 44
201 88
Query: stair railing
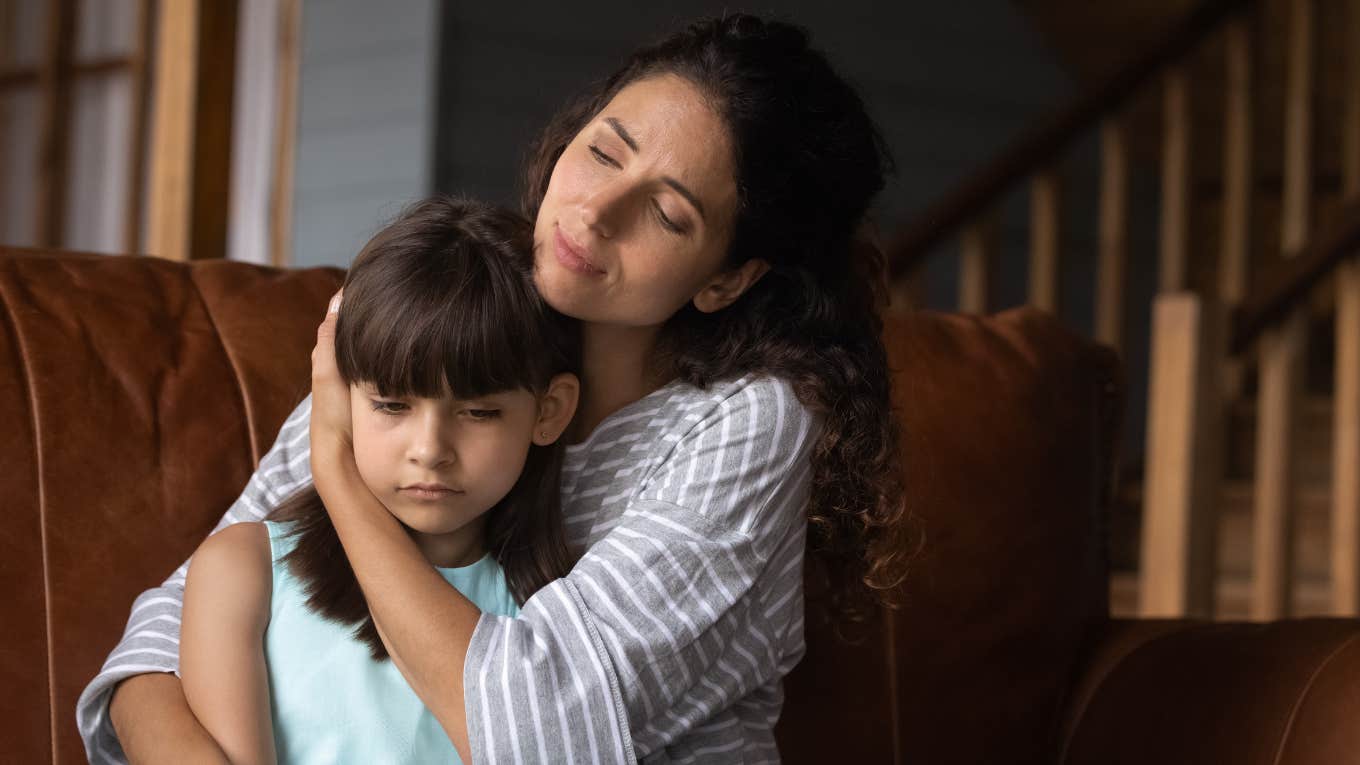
1200 344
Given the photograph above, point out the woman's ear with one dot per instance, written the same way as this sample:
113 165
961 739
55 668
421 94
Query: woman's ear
556 407
727 286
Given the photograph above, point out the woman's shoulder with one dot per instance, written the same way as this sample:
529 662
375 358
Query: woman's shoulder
759 406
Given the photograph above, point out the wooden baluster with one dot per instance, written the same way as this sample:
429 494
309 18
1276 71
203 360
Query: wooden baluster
1113 234
1282 348
1179 544
1045 239
977 255
1175 219
1346 427
1238 174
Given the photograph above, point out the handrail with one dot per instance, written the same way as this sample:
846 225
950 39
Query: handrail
1041 145
1288 281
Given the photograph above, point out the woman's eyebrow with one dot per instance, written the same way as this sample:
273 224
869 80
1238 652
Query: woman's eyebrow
669 181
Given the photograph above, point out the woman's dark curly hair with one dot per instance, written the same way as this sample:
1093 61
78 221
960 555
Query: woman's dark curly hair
809 161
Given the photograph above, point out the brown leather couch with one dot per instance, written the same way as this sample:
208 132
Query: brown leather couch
136 395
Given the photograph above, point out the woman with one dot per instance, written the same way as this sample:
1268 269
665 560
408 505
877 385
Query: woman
697 212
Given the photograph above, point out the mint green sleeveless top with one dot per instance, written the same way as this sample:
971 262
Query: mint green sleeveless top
332 703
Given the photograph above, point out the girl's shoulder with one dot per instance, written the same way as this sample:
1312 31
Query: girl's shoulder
234 562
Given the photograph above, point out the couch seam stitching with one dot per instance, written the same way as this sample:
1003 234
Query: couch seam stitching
235 369
42 527
1303 694
1095 690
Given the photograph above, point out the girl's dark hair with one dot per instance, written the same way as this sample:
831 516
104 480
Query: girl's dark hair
443 299
809 161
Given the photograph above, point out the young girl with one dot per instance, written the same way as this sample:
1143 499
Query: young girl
461 381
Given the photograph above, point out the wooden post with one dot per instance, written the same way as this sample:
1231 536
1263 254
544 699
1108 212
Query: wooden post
1282 348
1346 427
1180 524
1045 239
1238 174
54 125
977 255
1114 234
191 148
1175 220
285 132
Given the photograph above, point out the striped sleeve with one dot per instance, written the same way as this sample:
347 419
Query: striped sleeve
663 626
150 641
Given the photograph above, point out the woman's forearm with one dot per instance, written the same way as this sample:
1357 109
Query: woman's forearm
426 623
154 722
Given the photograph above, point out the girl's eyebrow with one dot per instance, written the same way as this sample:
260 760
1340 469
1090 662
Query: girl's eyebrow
679 187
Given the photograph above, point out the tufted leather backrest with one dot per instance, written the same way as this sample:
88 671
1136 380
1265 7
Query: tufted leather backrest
137 394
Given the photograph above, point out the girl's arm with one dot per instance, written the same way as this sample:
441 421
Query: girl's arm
222 665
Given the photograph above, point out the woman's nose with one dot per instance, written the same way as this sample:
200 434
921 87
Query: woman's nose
602 211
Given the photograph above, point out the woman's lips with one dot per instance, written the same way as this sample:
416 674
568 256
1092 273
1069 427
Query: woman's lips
570 257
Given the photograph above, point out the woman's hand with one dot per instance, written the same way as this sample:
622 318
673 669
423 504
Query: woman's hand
331 425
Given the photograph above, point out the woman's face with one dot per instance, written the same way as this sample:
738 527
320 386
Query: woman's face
639 210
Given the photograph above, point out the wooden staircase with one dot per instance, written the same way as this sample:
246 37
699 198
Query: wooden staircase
1250 112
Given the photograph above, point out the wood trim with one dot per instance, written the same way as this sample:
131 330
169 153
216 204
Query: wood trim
1045 250
1113 234
1042 145
1174 242
138 136
191 147
285 133
54 125
1180 523
30 77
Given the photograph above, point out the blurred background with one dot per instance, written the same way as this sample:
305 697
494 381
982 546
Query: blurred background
1097 160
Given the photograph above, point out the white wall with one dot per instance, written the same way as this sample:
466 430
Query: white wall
365 121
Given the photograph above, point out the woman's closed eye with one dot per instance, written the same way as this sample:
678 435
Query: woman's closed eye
483 414
603 158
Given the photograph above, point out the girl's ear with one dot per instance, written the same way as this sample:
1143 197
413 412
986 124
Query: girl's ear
556 407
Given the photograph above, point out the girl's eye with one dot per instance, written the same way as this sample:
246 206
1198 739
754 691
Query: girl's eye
484 414
603 158
665 222
388 407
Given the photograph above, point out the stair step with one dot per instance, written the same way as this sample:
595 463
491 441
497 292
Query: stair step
1232 597
1312 435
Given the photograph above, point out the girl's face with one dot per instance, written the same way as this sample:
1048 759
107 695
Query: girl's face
639 210
439 464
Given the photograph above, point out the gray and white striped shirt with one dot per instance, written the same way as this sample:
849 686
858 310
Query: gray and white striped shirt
669 639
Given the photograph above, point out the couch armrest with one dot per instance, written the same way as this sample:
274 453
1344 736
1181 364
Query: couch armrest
1285 693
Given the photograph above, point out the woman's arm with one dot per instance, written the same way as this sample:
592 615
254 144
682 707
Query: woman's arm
150 708
424 621
222 664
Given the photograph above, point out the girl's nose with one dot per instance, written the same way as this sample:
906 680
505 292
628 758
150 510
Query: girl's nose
431 445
